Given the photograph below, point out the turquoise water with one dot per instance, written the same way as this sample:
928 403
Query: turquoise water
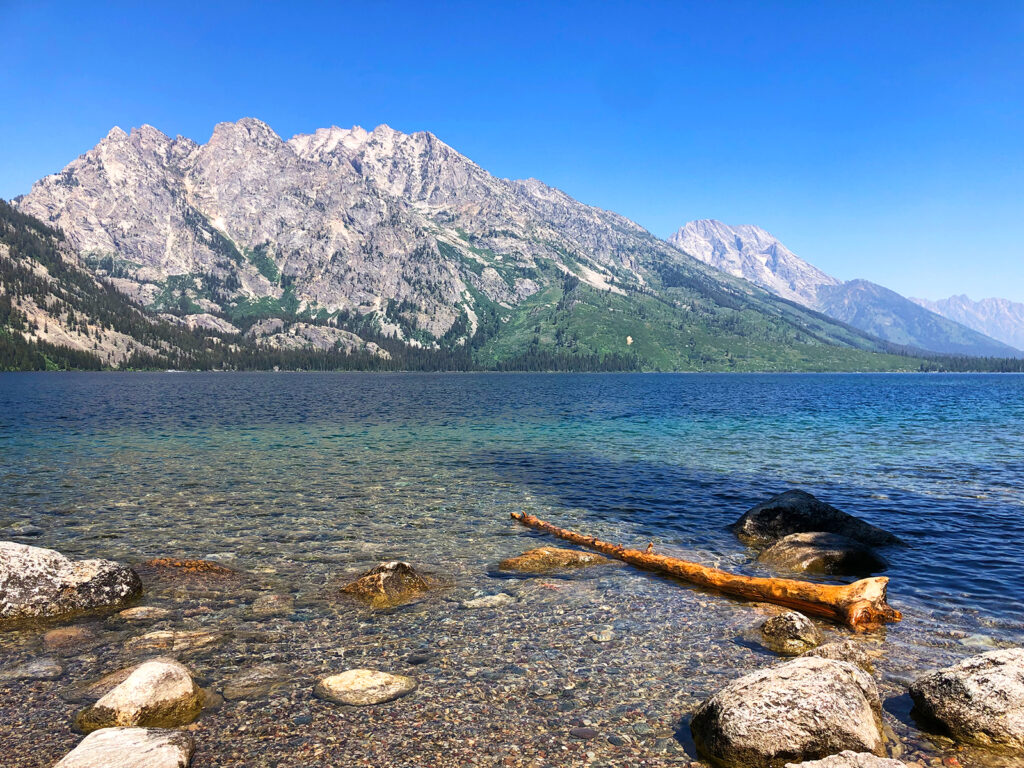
301 479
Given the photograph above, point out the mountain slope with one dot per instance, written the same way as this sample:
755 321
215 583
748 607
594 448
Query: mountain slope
398 237
1001 319
753 254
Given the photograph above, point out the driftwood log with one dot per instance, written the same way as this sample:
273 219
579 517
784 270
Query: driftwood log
860 605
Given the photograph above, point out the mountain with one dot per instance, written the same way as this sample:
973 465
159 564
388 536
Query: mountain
753 254
1001 319
382 242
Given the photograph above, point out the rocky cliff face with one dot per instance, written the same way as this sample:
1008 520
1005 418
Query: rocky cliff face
753 254
1001 319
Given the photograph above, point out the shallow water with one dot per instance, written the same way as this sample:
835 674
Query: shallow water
303 479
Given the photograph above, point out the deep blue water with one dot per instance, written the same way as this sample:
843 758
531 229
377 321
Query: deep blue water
271 466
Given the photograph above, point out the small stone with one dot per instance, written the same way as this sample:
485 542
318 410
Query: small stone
388 585
302 719
604 636
790 634
618 740
363 687
37 669
642 729
144 613
131 748
489 601
158 693
273 605
583 733
66 641
544 559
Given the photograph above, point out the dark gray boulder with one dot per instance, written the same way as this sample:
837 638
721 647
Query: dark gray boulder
800 512
821 552
37 582
790 634
804 709
979 700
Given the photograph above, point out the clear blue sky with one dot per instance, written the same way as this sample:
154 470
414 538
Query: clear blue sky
877 140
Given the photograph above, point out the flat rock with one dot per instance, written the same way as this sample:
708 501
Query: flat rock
388 585
544 559
37 669
790 634
844 650
173 640
189 567
273 605
255 683
489 601
803 709
131 748
38 582
848 759
979 700
362 687
819 552
158 693
800 512
144 613
67 641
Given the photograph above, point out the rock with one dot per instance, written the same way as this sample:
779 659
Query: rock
37 669
131 748
489 601
584 733
273 605
603 636
791 634
192 567
544 559
362 687
158 693
818 552
388 585
848 759
173 640
41 582
843 650
979 700
254 683
803 709
800 512
67 641
25 531
144 613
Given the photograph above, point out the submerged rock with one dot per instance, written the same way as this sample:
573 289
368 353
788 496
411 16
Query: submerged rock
37 669
843 650
159 693
388 585
41 582
804 709
848 759
791 634
173 640
273 605
979 700
489 601
363 687
190 567
255 683
544 559
67 641
819 552
144 613
800 512
131 748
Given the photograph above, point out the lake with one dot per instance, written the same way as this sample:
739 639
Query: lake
303 480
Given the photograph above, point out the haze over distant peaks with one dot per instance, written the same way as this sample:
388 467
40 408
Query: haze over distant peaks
755 255
999 318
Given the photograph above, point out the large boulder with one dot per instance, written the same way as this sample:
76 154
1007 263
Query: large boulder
980 700
820 552
800 512
131 748
38 582
848 759
545 559
159 693
363 687
791 634
804 709
388 585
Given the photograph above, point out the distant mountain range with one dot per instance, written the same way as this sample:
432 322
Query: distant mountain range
755 255
1001 319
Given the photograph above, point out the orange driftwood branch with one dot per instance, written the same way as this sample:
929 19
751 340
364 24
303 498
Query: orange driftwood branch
860 605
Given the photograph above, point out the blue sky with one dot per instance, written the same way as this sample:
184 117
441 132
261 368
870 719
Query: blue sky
877 140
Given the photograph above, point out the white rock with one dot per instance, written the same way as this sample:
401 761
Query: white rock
362 687
131 748
489 601
159 693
